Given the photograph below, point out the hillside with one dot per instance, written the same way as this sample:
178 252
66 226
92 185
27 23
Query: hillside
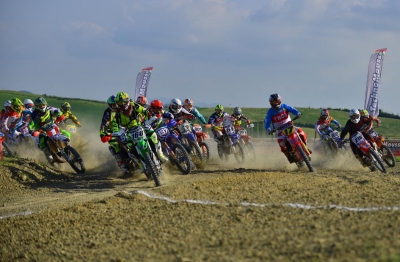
91 111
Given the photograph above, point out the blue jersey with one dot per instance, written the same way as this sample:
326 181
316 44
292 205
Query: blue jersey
279 117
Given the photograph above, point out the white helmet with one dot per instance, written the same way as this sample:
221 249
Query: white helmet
7 103
176 106
354 115
28 103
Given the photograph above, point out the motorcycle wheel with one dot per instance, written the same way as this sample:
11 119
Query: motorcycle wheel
239 154
75 160
206 151
150 166
376 160
305 158
333 146
182 160
250 151
6 150
387 156
197 153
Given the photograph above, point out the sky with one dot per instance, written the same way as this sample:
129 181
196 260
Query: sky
314 53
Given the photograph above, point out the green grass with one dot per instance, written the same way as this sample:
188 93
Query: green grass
91 111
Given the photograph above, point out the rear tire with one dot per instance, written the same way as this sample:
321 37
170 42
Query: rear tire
206 151
239 155
305 158
6 150
387 156
75 160
197 153
182 160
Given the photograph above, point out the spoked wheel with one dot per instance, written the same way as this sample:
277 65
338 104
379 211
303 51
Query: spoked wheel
239 152
182 159
196 153
206 151
75 160
376 160
305 158
151 169
387 156
250 151
220 151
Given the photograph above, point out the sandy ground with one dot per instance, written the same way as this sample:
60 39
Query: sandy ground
264 210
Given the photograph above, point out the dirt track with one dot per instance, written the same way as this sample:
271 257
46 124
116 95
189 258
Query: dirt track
264 211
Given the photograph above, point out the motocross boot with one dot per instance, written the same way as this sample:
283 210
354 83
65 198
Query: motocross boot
160 154
121 163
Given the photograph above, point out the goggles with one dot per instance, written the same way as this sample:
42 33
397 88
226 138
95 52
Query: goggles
275 103
28 106
355 116
176 107
41 106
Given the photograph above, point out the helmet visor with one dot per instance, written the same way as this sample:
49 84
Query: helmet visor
275 103
176 107
356 116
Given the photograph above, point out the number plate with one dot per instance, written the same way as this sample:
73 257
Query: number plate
136 133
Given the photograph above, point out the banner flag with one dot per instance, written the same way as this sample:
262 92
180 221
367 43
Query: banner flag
373 81
142 82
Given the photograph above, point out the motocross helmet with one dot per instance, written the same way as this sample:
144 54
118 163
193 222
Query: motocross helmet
219 109
275 101
41 104
7 104
176 106
354 115
156 107
364 112
324 114
111 103
188 104
65 107
237 111
28 104
16 105
141 100
123 100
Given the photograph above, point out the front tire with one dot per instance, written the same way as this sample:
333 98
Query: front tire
182 158
239 154
206 151
377 161
75 160
305 158
151 168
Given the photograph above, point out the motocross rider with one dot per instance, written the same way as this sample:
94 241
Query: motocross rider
42 115
278 115
66 110
368 123
189 106
130 114
11 115
353 125
322 125
215 120
239 116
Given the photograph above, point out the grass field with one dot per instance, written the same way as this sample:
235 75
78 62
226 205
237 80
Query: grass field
91 111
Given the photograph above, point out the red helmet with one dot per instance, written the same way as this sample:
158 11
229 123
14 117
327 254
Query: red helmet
324 113
142 100
156 107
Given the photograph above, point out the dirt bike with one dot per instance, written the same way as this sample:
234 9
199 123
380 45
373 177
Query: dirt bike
201 137
330 140
148 159
188 138
61 150
379 144
246 141
230 144
298 150
370 157
173 148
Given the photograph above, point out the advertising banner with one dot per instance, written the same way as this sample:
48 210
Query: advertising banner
142 82
373 82
394 146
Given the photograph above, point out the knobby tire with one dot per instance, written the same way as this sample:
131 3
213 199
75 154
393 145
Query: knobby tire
387 156
377 160
151 167
305 158
75 160
182 158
